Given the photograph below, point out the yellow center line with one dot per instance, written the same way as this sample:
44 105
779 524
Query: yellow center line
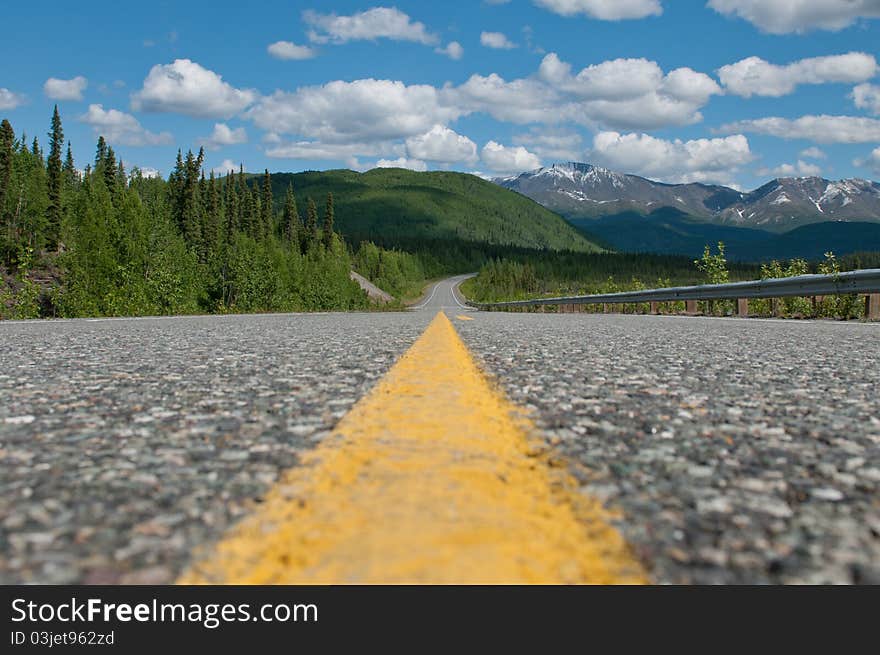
431 478
464 318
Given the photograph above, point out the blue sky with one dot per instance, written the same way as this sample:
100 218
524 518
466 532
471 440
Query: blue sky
728 91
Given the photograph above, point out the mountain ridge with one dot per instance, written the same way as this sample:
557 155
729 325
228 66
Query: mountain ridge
584 191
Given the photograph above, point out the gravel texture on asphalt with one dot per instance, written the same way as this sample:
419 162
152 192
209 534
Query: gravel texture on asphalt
124 444
737 451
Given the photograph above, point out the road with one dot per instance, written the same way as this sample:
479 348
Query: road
723 450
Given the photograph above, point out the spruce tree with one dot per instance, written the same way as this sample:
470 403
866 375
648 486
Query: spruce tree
328 222
268 205
7 149
311 235
54 181
110 170
100 152
291 218
36 151
71 175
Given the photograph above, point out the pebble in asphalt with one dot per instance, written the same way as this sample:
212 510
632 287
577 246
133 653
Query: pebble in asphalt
739 451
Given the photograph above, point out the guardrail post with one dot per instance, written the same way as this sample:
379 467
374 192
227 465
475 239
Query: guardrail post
690 307
742 307
775 307
655 308
872 307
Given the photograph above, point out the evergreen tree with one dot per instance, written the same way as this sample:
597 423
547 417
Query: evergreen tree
110 170
7 151
231 199
54 181
311 235
100 152
268 205
36 151
71 175
328 223
291 218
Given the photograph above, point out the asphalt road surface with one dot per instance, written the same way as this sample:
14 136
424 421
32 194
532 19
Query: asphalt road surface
731 451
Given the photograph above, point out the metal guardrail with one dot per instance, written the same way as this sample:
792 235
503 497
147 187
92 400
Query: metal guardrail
852 282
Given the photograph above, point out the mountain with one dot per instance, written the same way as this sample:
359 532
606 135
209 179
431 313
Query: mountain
398 207
585 191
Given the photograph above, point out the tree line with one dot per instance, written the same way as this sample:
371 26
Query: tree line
105 241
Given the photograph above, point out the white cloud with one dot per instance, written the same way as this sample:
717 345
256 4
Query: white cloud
361 111
496 40
699 160
554 144
146 171
72 89
10 100
872 161
814 153
119 128
288 50
402 162
604 9
440 144
225 167
755 76
185 87
223 135
800 169
622 94
867 96
821 129
453 50
369 25
509 159
786 16
317 150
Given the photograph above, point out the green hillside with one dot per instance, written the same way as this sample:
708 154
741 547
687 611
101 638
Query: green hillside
669 231
401 208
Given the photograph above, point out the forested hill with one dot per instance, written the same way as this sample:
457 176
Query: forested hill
401 208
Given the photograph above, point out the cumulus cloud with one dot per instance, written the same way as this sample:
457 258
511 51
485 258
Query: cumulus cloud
402 162
120 128
699 160
814 153
59 89
509 159
872 161
497 41
755 76
620 94
604 9
786 16
287 50
223 135
331 151
552 143
867 96
800 169
10 100
369 25
225 167
185 87
821 129
443 145
453 50
363 110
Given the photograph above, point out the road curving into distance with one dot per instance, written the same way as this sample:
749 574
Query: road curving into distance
684 450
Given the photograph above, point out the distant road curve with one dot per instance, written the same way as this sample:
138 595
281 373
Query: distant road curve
445 294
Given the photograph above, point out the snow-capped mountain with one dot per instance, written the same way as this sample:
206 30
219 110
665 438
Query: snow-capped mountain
583 190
